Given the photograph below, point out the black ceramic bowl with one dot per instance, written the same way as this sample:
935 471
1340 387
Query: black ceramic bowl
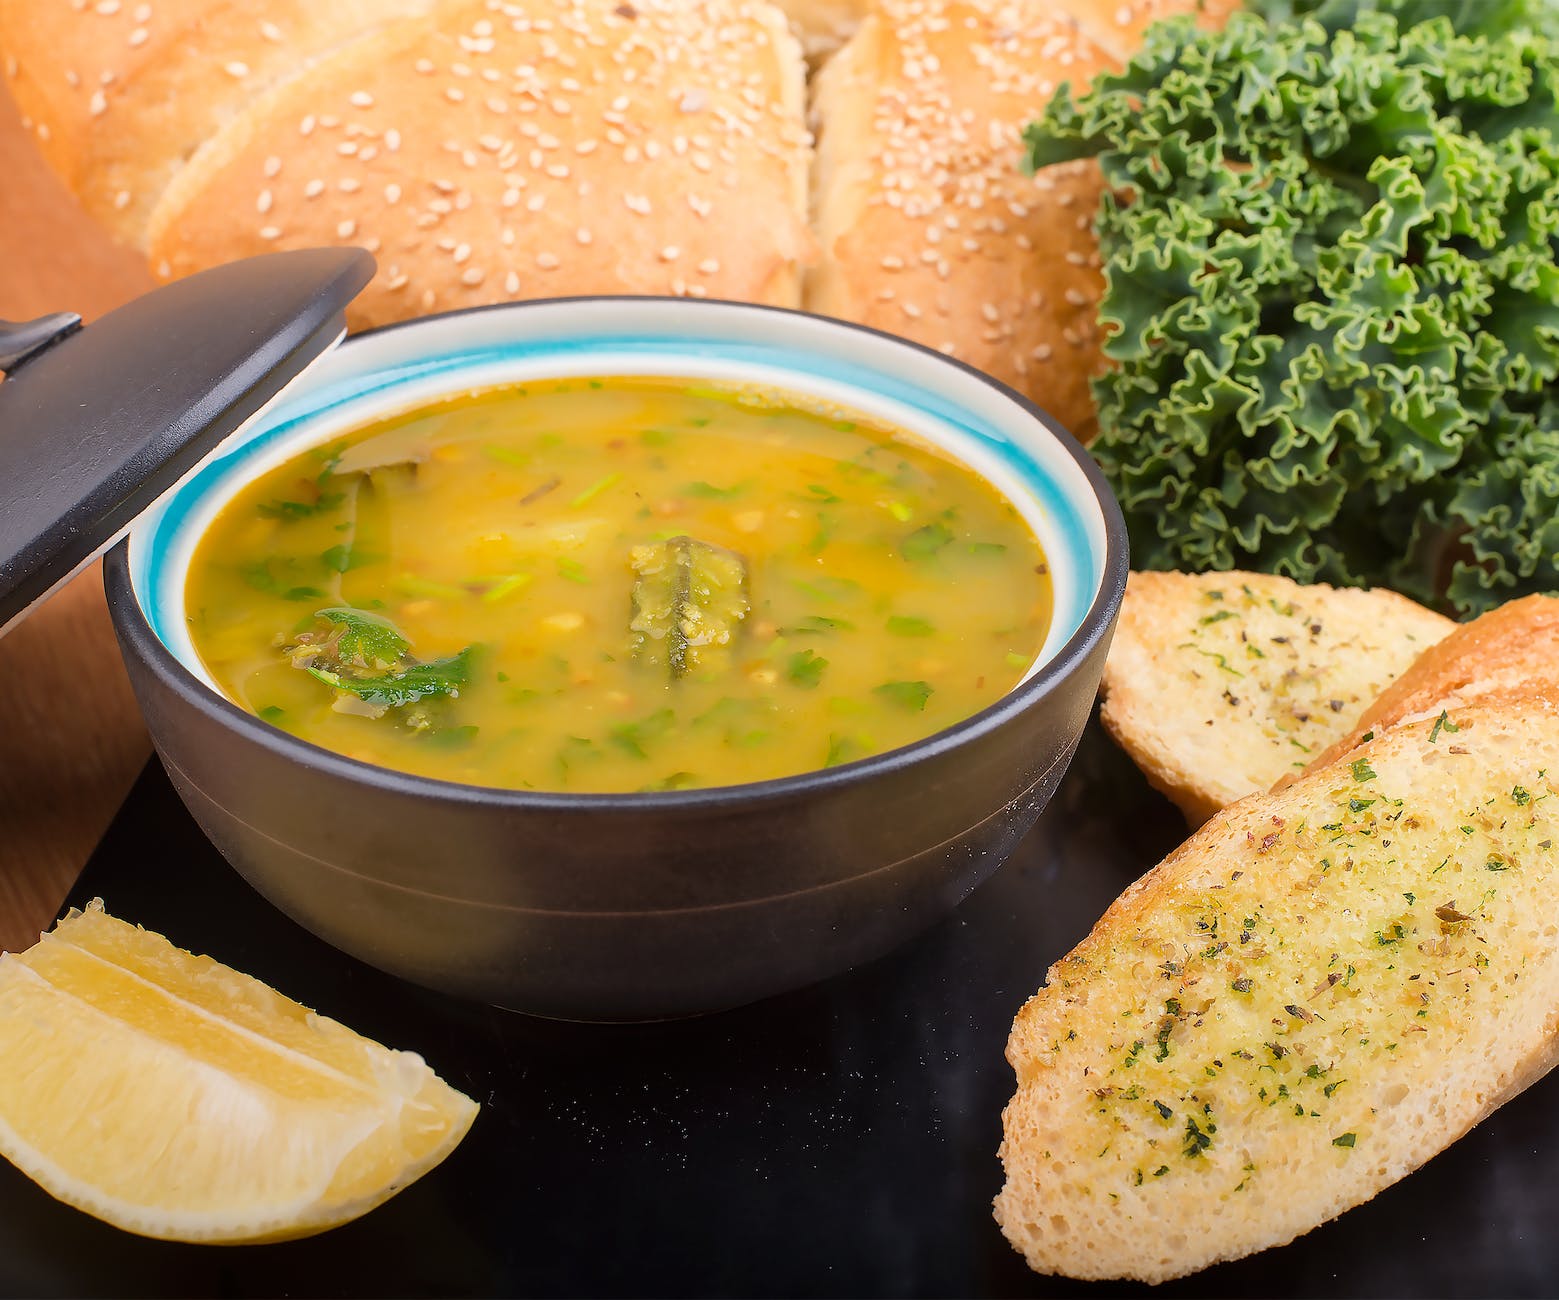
639 906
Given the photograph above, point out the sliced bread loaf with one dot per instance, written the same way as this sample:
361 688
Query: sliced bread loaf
1219 684
1320 990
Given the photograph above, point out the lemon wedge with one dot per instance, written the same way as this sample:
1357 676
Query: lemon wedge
175 1097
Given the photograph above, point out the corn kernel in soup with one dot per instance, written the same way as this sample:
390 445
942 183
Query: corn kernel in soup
617 585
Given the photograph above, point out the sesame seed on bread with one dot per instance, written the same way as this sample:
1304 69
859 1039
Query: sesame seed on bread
588 146
483 150
488 150
120 93
1120 25
1220 684
928 226
1323 988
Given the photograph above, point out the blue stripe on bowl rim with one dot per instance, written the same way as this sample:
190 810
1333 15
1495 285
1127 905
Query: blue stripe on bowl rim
323 403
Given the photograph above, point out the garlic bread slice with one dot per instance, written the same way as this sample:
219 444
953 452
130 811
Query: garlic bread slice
1320 990
1220 684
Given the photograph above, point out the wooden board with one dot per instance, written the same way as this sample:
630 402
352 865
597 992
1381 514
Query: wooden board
71 739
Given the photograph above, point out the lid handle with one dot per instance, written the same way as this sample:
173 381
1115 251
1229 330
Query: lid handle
22 340
94 431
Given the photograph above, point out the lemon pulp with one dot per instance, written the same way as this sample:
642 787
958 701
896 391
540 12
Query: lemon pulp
175 1097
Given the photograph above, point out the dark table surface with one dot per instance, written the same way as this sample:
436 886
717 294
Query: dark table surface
839 1141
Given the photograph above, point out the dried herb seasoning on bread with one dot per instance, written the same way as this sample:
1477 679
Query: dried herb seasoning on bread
1320 990
1220 684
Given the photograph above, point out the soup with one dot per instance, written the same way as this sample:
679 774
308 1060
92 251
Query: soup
617 585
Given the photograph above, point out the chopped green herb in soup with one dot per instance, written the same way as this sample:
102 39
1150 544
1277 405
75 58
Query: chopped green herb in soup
612 585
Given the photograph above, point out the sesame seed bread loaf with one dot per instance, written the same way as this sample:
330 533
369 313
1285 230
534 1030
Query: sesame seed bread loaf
1320 990
1513 646
483 151
482 159
928 226
120 93
488 150
1220 684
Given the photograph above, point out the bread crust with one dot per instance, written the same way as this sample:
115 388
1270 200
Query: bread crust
1119 26
120 95
1261 673
1320 990
1513 647
822 26
589 147
928 226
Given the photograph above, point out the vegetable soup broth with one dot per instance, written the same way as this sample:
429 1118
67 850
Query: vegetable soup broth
616 585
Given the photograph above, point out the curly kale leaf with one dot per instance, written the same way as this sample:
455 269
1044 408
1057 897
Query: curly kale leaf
1469 17
1332 294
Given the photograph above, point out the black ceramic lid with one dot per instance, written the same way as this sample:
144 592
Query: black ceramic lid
96 423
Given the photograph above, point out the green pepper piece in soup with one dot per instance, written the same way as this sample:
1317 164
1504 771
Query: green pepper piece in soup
689 598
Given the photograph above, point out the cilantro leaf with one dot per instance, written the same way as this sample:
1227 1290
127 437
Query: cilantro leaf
816 624
907 695
292 510
805 668
710 492
338 557
924 543
259 576
634 738
439 677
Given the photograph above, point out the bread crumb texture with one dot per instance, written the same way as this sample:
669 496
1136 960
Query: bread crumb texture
1220 684
1320 990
